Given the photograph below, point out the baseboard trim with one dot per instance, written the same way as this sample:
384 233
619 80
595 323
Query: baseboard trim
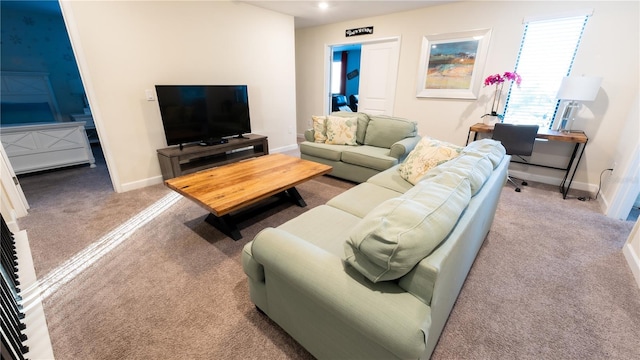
575 185
141 183
287 148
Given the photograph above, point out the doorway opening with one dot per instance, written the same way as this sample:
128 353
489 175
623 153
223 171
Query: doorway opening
35 40
362 76
345 79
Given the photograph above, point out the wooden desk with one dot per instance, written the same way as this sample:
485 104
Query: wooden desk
578 138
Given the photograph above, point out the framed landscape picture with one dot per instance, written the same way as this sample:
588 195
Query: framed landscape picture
451 65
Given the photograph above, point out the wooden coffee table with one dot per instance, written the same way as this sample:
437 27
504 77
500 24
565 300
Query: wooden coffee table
230 188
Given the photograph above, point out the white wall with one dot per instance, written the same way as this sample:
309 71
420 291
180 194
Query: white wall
622 186
126 47
609 48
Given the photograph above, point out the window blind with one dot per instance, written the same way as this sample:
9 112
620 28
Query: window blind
546 55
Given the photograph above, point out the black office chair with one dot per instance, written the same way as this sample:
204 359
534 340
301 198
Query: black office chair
518 140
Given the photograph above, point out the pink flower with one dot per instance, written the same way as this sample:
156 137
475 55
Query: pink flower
512 76
498 79
493 79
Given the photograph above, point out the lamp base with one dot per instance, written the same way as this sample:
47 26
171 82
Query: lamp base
567 116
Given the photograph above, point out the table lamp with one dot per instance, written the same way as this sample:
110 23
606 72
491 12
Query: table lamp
575 89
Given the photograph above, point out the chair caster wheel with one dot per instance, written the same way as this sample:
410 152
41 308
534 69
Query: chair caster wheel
524 183
517 189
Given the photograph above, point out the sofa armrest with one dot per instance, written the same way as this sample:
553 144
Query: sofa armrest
251 268
400 149
308 135
382 312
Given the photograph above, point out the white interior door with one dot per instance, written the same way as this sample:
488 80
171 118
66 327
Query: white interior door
378 76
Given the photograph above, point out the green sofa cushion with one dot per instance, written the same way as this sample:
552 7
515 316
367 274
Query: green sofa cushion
389 241
361 199
391 179
324 226
476 169
324 151
369 156
475 163
383 131
491 148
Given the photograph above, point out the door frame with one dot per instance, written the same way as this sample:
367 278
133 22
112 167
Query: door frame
77 47
328 56
628 190
17 204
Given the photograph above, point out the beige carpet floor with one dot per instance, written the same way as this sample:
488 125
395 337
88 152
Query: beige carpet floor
550 281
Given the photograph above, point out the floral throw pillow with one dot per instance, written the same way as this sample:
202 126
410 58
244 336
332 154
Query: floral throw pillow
341 130
319 128
427 154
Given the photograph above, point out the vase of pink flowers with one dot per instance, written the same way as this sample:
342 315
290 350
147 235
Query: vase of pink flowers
498 80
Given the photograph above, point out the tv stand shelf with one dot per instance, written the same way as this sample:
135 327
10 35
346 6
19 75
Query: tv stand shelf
191 158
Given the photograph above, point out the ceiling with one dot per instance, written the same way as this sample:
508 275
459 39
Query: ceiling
307 13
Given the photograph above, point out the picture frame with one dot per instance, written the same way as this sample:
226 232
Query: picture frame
451 64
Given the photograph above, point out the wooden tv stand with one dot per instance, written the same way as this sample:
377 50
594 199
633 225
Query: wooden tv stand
191 158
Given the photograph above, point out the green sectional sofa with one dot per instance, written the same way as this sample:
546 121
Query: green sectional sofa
375 272
380 142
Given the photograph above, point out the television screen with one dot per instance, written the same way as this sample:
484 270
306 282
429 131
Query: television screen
203 113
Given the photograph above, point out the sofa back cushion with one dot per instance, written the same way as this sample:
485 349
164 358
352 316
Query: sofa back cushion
383 131
475 168
391 239
491 148
363 121
474 162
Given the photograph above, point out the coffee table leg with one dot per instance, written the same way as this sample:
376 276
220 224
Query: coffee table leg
225 224
295 197
228 226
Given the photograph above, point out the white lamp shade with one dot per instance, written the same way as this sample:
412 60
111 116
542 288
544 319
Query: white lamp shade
581 88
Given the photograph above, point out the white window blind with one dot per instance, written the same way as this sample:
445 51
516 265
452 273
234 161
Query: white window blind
546 55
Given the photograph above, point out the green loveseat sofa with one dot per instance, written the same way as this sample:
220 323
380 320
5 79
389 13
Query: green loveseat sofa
381 142
375 272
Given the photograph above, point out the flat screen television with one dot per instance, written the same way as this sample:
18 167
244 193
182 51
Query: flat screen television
208 114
